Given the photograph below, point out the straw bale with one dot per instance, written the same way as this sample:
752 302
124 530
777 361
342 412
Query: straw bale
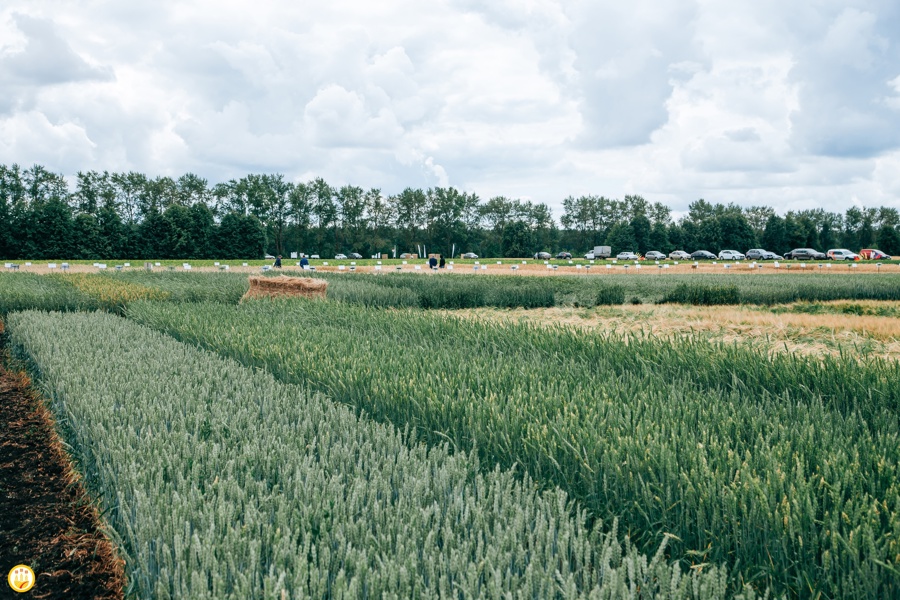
268 287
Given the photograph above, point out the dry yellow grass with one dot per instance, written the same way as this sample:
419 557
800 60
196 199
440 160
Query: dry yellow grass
813 334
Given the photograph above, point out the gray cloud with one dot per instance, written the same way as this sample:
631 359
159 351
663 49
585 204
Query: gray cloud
535 98
47 58
624 53
844 73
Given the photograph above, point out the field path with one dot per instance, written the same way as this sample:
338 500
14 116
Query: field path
46 519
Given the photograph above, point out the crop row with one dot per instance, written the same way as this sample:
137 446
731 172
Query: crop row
223 483
785 467
113 291
470 291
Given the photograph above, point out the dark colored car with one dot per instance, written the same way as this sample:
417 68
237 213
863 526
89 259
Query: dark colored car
355 255
564 255
542 256
805 254
703 255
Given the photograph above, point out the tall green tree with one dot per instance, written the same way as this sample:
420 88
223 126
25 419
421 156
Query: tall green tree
518 240
86 239
621 238
641 229
774 238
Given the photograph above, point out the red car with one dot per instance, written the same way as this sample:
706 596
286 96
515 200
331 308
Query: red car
870 254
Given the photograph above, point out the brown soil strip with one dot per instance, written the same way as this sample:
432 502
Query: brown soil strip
532 267
47 521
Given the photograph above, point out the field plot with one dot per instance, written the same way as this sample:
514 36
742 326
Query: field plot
786 467
854 331
746 422
224 483
470 291
47 521
113 291
23 291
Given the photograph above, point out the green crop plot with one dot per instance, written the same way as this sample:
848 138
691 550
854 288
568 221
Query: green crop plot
785 467
222 483
471 291
22 291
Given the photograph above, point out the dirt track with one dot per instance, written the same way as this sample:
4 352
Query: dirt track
46 519
534 268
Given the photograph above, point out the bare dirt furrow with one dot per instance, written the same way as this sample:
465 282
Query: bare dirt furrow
47 521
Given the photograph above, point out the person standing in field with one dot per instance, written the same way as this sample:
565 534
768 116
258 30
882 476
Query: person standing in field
443 263
432 262
278 262
304 262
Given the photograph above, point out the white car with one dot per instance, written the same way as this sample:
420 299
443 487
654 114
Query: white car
589 256
842 254
731 255
470 255
654 255
760 254
626 256
340 256
679 255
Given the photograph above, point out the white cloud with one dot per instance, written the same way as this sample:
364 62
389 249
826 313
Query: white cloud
789 104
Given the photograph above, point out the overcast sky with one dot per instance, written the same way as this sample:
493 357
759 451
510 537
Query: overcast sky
793 104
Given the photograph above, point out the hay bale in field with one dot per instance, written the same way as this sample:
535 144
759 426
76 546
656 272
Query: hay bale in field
268 287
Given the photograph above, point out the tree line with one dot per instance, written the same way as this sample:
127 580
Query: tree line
130 215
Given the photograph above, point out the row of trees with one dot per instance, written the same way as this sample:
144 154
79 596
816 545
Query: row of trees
129 215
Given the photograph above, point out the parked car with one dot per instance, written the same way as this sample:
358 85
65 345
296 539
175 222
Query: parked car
841 254
654 255
731 255
679 255
340 256
542 256
805 254
563 255
269 257
871 254
760 254
470 255
702 255
406 255
355 255
315 256
626 256
589 256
